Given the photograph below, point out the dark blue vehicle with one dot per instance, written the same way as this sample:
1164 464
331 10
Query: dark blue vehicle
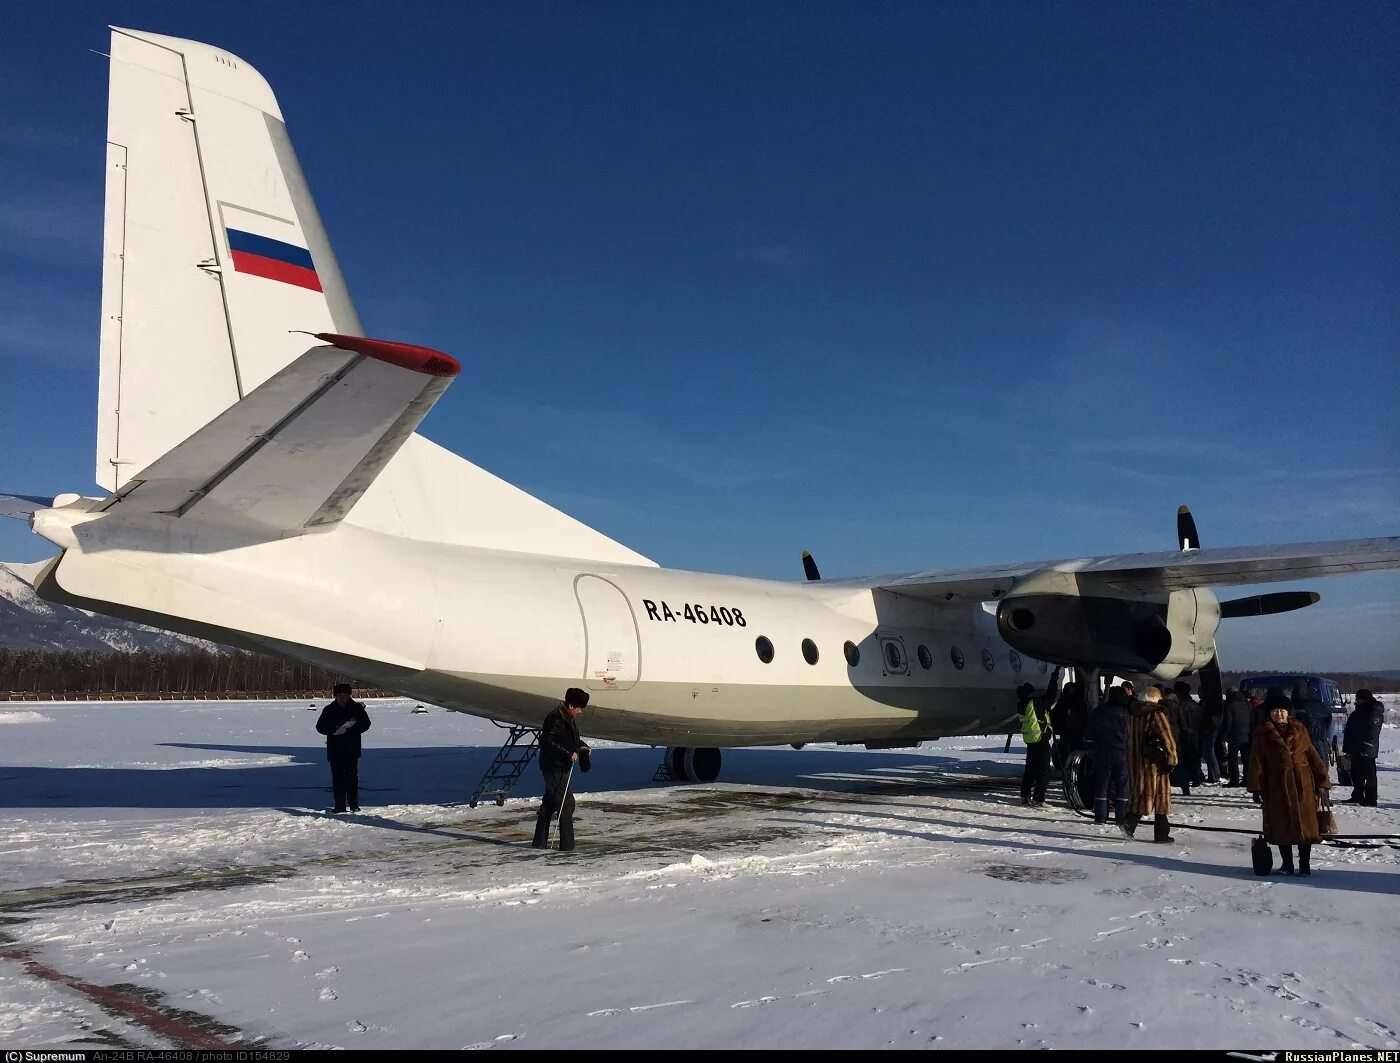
1320 687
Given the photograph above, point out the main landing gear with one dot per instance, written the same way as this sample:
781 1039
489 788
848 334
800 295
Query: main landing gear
693 764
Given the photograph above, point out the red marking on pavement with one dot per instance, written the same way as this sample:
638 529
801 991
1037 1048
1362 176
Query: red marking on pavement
119 1002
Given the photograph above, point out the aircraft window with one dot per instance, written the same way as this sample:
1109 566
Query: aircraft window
1015 661
926 657
764 648
987 661
809 651
958 661
893 657
852 654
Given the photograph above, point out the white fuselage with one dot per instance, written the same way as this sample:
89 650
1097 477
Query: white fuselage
669 657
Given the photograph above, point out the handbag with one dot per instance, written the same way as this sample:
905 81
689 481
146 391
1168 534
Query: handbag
1262 855
1344 769
1326 822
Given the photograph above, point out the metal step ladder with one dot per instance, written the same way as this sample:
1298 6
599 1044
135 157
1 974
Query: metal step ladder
663 771
505 771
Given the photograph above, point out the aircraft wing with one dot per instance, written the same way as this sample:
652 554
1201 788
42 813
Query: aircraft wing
300 449
1150 573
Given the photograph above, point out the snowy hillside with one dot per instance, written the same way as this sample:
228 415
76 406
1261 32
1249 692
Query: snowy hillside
27 622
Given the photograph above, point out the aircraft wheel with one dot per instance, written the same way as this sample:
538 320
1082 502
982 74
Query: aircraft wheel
691 764
1079 780
703 764
675 758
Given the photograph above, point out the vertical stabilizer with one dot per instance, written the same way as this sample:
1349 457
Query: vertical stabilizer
213 250
217 268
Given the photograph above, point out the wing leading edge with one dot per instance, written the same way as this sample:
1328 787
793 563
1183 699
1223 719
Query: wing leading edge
1152 573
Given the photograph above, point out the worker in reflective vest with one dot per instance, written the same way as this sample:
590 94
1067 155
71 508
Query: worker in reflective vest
1036 733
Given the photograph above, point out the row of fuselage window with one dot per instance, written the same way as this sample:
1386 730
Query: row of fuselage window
894 655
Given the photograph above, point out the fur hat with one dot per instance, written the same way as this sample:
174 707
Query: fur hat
576 698
341 688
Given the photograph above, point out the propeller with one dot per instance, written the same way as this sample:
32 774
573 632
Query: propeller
1212 689
1186 537
809 566
1268 604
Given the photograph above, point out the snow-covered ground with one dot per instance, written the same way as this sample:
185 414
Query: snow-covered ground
167 879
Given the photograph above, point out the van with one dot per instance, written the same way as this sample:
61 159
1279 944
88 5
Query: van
1318 686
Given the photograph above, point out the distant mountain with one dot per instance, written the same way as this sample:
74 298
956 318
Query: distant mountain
27 622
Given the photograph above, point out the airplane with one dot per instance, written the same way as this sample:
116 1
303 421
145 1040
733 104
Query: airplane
264 487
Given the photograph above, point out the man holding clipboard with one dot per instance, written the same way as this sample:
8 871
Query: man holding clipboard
342 722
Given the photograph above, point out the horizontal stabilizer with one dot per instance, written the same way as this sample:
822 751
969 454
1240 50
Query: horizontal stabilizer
22 507
299 450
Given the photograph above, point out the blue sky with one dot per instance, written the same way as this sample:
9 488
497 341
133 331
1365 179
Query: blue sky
908 285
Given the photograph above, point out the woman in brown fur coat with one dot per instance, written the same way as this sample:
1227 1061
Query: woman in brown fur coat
1285 769
1149 785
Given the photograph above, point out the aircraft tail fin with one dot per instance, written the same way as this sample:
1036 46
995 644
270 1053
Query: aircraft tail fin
213 250
215 263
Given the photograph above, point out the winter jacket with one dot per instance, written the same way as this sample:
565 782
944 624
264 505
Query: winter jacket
1286 771
1149 787
1035 722
1109 728
1237 730
1317 718
1068 719
345 743
1362 736
559 740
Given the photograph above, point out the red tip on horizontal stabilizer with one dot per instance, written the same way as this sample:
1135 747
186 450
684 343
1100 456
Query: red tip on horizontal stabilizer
406 355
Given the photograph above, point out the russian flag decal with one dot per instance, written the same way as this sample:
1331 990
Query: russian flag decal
264 257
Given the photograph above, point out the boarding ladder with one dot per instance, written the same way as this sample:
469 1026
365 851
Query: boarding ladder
505 771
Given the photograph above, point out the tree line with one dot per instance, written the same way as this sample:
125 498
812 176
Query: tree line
192 673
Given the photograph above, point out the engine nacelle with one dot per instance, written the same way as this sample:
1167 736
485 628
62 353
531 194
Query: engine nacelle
1051 617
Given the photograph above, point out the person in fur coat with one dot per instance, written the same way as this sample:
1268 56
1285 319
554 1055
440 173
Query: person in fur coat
1285 770
1149 785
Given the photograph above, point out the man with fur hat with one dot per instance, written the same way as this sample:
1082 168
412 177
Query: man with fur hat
560 749
1362 741
342 722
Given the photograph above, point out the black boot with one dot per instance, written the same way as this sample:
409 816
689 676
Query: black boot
1161 829
1285 853
1129 825
1304 855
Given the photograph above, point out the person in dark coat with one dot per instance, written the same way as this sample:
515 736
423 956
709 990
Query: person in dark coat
1108 728
1149 784
342 722
1289 776
560 749
1069 717
1184 717
1036 733
1236 730
1208 727
1313 715
1362 742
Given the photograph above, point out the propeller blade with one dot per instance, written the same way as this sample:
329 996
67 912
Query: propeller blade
1186 537
1268 604
809 566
